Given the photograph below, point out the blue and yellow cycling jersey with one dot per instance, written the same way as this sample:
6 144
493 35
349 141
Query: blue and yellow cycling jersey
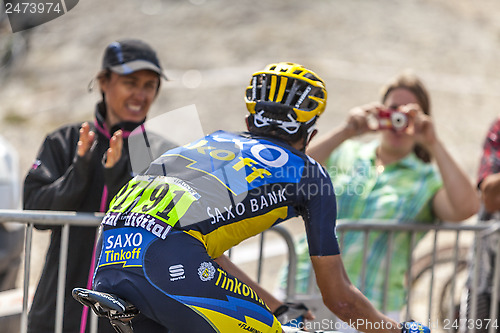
164 229
227 187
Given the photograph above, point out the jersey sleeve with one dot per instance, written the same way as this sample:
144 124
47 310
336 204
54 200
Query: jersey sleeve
320 212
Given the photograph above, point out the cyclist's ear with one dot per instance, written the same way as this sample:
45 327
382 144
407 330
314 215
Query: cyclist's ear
312 135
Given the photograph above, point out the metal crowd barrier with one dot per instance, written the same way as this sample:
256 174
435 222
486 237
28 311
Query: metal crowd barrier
66 219
451 255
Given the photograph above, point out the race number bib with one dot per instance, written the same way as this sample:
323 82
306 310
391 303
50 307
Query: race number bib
164 198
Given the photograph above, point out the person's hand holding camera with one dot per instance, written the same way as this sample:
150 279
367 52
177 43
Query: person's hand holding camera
420 125
360 119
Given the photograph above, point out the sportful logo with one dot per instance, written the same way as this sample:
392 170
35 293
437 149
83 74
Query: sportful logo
176 272
26 14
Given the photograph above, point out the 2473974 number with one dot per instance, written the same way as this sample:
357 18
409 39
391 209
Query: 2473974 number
470 324
32 8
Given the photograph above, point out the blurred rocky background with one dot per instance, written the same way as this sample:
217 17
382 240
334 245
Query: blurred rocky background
209 49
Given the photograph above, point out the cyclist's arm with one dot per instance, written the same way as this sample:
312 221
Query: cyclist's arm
345 300
272 302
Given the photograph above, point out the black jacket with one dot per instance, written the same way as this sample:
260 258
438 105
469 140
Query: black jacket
60 180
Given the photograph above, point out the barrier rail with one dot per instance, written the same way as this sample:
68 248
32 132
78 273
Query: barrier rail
456 254
417 266
65 219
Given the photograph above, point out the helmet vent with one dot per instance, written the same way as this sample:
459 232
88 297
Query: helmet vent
311 77
319 93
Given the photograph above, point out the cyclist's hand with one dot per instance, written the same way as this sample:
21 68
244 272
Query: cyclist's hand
309 315
414 327
115 149
85 140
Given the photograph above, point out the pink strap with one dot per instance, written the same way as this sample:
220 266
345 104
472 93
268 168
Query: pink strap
104 130
85 312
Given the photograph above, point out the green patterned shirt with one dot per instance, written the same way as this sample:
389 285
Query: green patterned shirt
402 193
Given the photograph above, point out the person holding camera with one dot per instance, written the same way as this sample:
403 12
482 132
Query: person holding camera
390 179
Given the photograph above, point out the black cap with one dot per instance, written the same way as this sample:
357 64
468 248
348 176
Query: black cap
130 55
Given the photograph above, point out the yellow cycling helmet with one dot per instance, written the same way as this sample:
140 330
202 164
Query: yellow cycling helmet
289 85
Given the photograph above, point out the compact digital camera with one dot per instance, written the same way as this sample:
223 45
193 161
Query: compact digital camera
392 119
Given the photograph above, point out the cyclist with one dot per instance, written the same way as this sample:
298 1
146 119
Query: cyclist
165 233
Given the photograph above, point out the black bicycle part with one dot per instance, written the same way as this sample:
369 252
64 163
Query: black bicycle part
119 312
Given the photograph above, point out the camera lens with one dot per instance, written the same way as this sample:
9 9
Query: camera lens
399 120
